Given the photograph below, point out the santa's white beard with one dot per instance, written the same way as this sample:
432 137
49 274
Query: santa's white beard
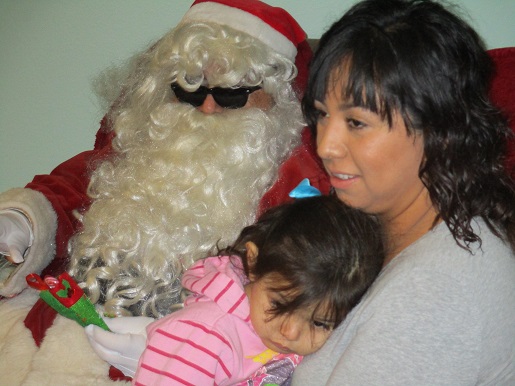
179 185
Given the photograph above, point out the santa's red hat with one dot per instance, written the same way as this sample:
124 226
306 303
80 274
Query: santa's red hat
271 25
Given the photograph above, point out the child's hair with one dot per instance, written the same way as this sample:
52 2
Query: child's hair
327 253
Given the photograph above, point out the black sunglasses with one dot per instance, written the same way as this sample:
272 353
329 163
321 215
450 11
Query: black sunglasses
231 98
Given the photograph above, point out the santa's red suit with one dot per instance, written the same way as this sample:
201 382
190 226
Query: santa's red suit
46 349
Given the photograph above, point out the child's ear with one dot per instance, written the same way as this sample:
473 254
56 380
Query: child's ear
252 254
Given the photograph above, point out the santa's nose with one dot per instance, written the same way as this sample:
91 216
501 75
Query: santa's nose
210 106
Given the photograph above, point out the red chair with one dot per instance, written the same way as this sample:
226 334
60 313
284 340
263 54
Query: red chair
502 94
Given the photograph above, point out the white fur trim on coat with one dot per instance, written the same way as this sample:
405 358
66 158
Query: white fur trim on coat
44 225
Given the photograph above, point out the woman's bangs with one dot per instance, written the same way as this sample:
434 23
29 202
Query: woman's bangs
363 84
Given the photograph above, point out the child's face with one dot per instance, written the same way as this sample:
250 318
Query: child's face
298 333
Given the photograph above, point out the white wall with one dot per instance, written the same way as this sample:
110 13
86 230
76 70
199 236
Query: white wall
50 50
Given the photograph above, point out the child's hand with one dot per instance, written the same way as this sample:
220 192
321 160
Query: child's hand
124 345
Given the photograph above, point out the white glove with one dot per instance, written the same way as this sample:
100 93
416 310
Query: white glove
124 345
16 235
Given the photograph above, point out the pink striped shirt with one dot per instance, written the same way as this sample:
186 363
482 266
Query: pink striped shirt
211 340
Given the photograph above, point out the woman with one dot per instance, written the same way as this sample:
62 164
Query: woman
398 97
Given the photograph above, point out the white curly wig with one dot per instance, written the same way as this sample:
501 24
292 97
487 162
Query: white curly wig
181 182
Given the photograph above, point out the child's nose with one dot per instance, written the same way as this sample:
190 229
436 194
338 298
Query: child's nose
291 328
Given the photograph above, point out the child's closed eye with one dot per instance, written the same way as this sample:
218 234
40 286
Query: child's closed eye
323 325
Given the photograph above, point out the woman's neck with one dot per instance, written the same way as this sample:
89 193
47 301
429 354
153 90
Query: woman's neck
409 225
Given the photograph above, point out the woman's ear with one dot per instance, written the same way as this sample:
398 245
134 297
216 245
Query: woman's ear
252 254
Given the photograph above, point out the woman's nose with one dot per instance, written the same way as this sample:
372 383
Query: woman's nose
331 141
210 106
291 328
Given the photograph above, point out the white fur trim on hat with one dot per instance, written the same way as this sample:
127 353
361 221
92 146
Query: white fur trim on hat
242 21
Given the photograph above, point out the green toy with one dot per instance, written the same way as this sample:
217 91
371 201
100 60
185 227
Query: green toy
65 296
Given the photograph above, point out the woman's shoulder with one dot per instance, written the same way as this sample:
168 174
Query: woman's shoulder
436 280
486 271
438 252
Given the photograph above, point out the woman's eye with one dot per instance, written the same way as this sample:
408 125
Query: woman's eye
355 124
320 114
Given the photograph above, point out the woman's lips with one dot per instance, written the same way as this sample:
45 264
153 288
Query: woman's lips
342 180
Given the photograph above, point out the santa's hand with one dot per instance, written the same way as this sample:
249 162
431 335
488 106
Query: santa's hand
124 345
16 235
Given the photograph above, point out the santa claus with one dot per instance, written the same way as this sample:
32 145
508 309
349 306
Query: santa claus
194 146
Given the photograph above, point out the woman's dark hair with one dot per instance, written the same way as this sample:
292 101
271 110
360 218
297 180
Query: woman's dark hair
417 58
327 253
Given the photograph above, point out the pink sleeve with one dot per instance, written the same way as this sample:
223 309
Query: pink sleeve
183 352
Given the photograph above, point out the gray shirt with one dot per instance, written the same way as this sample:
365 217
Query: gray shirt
436 315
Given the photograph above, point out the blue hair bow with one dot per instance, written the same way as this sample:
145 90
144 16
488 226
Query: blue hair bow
304 189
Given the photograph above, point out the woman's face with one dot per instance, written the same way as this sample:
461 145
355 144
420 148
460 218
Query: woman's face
372 166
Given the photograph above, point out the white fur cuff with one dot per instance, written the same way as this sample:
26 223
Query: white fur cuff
44 225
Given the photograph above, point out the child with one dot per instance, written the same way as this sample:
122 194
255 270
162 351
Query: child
271 298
